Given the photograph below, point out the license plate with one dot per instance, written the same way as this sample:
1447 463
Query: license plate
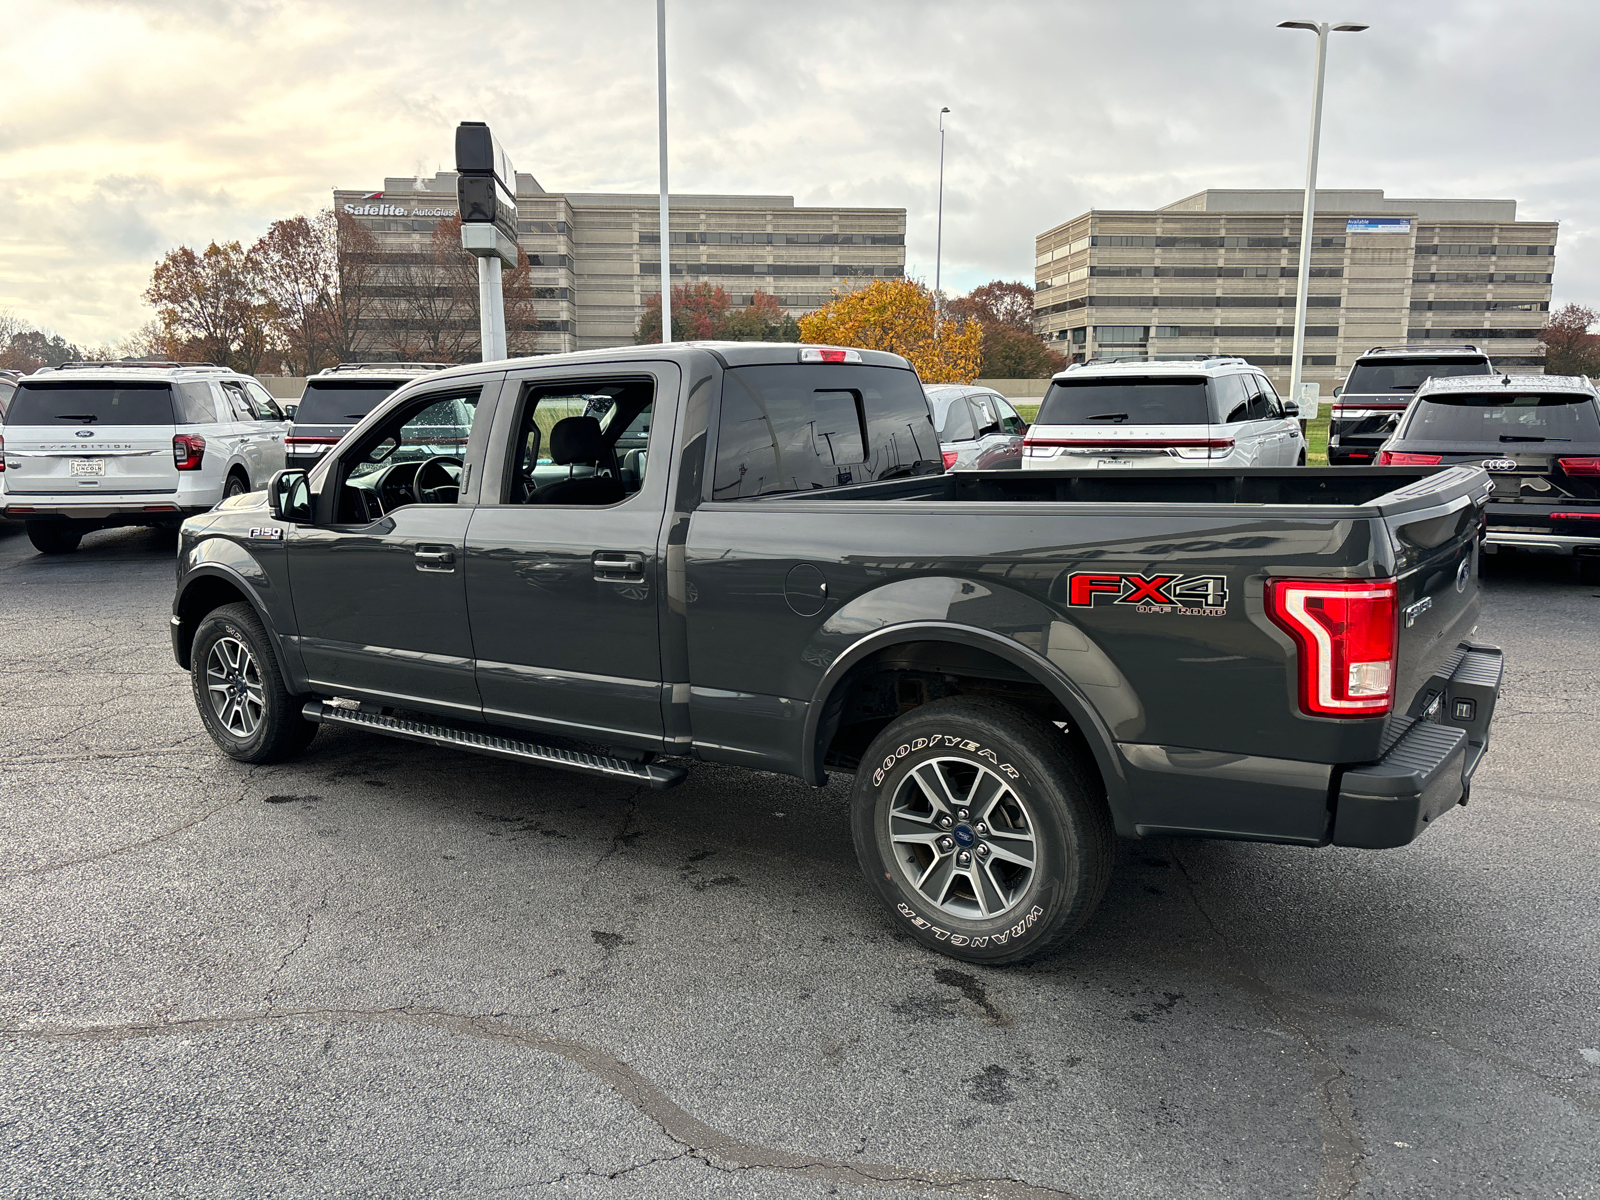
1113 462
88 466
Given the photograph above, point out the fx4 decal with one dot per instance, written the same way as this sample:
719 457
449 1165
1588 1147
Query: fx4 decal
1190 595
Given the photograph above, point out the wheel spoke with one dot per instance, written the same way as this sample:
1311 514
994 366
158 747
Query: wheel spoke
936 880
938 790
987 789
991 896
1011 845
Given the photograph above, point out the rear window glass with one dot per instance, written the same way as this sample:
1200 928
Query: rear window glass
1125 402
92 403
341 403
953 421
798 428
1496 419
1379 377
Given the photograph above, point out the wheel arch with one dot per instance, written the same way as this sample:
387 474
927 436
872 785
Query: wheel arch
206 589
979 651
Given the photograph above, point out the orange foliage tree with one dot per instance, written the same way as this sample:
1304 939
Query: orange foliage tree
898 315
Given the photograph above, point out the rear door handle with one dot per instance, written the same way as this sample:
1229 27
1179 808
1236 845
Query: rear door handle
435 558
612 566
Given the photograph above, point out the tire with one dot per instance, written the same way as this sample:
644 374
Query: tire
239 690
1055 813
1302 459
1585 569
55 537
237 485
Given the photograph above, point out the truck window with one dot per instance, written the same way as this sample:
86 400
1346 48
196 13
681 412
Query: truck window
802 427
1378 377
1494 417
581 442
1131 401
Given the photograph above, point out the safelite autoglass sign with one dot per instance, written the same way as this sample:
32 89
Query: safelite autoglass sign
1378 225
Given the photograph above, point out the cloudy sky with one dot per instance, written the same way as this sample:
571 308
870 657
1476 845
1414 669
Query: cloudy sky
130 128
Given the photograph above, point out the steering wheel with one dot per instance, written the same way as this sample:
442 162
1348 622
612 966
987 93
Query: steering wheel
440 463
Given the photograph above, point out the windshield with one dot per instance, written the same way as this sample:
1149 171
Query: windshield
1125 402
94 403
1495 419
341 402
1373 378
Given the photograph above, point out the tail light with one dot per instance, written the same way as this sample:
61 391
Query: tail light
187 451
949 457
2 455
1345 632
1213 448
1400 458
818 354
1580 466
308 445
1575 516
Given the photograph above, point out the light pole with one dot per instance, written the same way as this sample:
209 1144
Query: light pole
661 116
1302 288
938 236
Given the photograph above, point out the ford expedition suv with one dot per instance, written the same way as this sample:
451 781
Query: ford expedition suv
1538 436
338 397
91 445
1382 382
1015 666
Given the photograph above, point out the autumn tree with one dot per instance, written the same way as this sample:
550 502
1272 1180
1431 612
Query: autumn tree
1569 347
298 273
704 312
898 315
1010 348
356 267
24 347
210 305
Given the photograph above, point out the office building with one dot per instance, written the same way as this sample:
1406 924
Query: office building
1216 273
595 258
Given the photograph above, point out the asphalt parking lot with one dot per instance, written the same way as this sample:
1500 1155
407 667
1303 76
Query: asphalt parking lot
387 970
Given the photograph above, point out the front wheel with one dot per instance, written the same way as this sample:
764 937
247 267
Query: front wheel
981 829
239 690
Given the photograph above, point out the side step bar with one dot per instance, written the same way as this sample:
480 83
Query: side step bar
655 775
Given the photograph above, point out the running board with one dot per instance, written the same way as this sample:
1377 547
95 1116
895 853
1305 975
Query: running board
655 775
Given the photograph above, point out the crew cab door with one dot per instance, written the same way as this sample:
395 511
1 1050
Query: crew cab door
563 578
379 581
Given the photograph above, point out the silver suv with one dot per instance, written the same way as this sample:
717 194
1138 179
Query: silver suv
978 429
1213 411
90 445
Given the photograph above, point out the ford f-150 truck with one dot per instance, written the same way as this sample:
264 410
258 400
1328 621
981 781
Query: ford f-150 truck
750 554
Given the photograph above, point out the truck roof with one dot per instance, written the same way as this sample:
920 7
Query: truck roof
1478 384
733 354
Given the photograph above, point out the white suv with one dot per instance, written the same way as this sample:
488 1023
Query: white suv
1197 412
90 445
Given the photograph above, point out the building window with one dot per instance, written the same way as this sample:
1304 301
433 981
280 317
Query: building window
1119 239
1108 334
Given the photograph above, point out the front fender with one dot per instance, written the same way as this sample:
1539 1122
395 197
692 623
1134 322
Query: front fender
263 585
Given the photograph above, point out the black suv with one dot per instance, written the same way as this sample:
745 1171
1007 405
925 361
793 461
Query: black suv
334 400
1379 387
1538 436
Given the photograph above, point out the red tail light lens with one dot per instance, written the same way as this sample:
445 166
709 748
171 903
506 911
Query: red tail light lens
1580 466
1399 458
187 451
1346 635
815 354
2 454
1575 516
949 457
314 445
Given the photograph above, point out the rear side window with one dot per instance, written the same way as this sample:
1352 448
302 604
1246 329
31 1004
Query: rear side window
195 403
91 403
1497 419
799 428
1131 401
1377 378
341 402
955 421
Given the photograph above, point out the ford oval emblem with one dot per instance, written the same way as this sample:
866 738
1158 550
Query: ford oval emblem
1463 573
1499 464
85 433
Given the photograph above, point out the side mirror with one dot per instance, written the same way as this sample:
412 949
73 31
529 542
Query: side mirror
289 497
1338 390
289 410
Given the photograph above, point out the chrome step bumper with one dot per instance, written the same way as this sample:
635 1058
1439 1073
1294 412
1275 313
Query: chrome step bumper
654 775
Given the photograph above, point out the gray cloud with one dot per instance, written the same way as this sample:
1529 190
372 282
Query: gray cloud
234 114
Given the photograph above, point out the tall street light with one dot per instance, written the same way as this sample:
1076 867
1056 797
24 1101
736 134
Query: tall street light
938 237
661 116
1303 287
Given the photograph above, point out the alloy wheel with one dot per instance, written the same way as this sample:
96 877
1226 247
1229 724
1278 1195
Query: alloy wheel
233 686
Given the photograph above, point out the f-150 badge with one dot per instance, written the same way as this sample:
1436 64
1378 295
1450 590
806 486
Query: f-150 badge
1190 595
267 535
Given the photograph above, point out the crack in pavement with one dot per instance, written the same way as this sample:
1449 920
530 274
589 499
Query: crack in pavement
717 1150
305 936
1343 1150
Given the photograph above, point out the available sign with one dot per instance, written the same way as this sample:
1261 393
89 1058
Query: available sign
1378 225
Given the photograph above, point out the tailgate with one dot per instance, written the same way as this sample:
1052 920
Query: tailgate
118 459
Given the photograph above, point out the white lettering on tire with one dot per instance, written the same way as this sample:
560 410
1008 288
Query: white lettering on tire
938 740
956 939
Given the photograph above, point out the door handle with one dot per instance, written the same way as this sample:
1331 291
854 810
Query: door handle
615 567
435 558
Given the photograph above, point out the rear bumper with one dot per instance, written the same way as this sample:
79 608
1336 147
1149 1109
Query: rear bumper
1540 543
149 508
1429 768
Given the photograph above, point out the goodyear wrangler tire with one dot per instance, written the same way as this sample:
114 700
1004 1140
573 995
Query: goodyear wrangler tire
981 830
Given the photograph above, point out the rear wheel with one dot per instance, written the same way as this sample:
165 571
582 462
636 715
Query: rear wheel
240 692
981 829
238 485
55 537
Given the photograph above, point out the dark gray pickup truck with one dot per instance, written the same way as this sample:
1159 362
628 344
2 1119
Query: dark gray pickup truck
749 554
